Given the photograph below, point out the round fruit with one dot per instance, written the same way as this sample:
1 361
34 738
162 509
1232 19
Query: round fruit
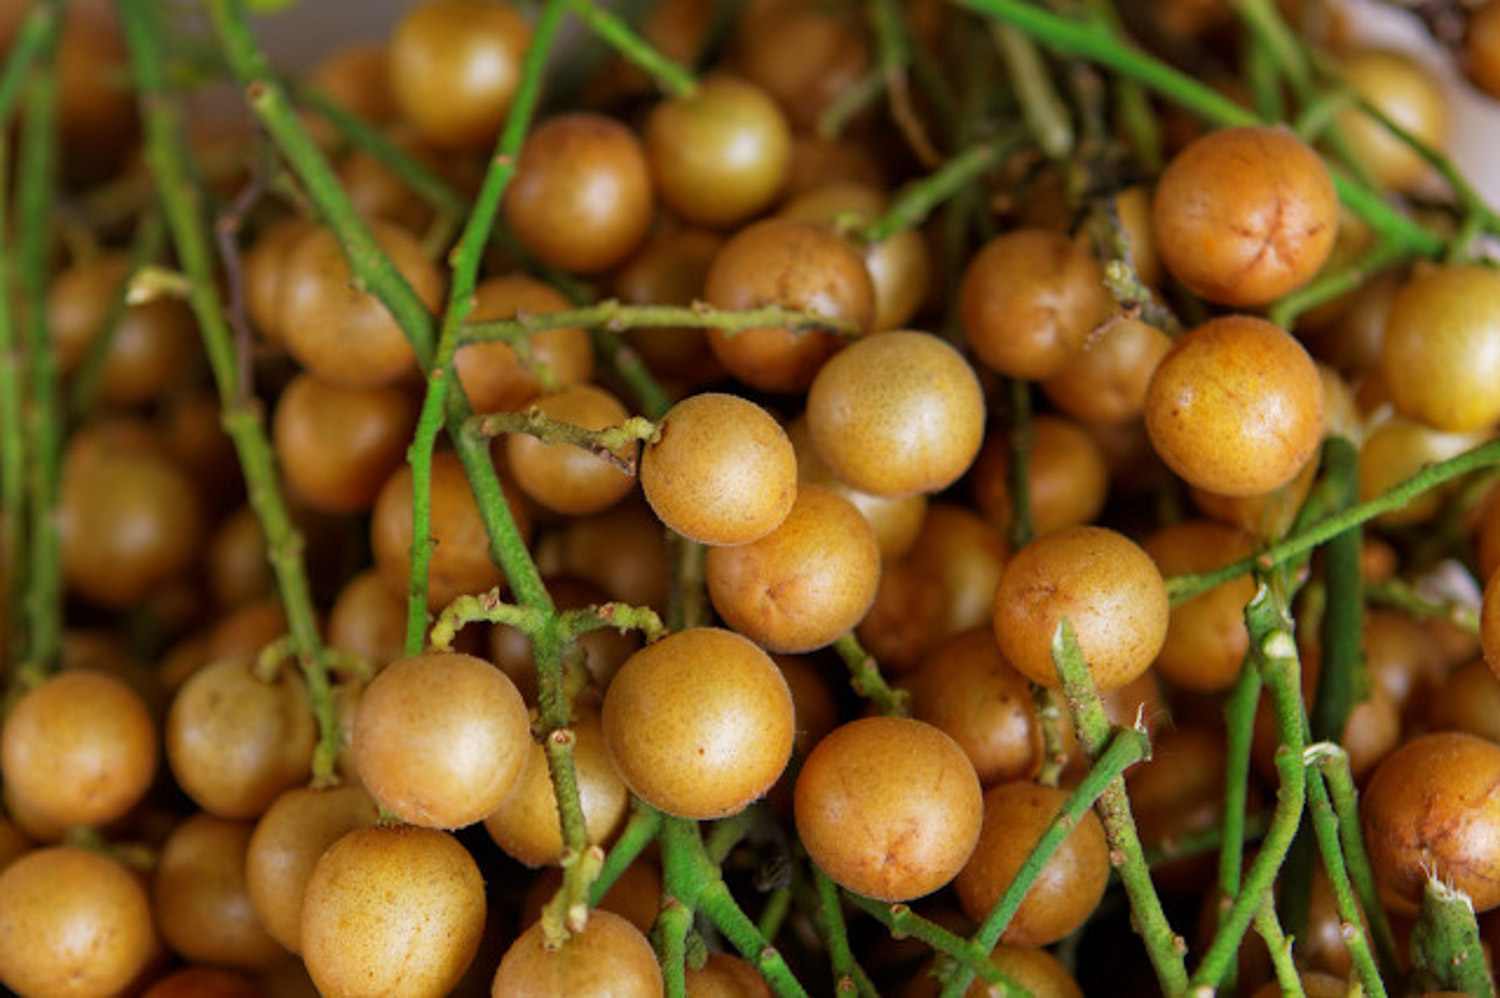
608 959
1236 406
1431 810
1409 95
806 582
720 154
1068 888
454 68
700 723
1103 584
1440 358
897 413
336 445
1245 215
73 924
79 749
393 910
200 899
441 738
721 471
888 807
582 197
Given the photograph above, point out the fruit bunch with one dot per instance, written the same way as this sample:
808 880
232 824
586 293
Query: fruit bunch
906 497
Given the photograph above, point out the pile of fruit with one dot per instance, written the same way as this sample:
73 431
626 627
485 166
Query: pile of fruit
898 497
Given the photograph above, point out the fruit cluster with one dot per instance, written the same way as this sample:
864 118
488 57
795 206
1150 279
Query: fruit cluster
911 497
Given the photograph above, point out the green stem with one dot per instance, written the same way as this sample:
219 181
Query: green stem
1326 287
1239 724
1274 652
166 155
1184 587
144 247
13 456
639 832
1135 111
672 927
605 444
1096 42
1127 747
1019 439
1447 954
1356 936
673 78
691 877
34 40
1342 681
847 973
36 181
903 922
915 202
1280 948
1047 117
614 317
1332 763
865 677
1398 593
621 358
1164 947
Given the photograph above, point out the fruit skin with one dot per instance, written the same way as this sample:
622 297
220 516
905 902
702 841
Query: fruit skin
888 807
608 959
721 471
73 924
1245 215
806 582
1440 357
393 911
700 723
440 739
1236 406
897 413
1432 808
1100 581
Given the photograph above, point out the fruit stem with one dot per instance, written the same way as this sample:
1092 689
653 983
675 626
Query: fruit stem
893 52
1239 724
1446 951
917 200
1097 42
671 932
690 877
608 443
1163 946
1332 764
1326 287
612 316
865 677
848 975
639 832
1356 936
36 180
1127 746
1184 587
627 363
1280 948
676 80
1342 680
1137 115
165 152
1273 651
1044 112
904 922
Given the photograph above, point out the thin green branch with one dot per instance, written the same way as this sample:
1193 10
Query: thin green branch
13 456
1239 725
639 832
147 243
1273 651
36 180
1164 947
1047 117
1280 948
622 358
1326 287
865 677
917 200
33 41
673 78
1446 951
606 444
848 976
1356 935
903 922
1184 587
614 317
1342 681
166 154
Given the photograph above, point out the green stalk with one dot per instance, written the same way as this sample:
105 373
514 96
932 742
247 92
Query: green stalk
1280 948
1185 587
639 832
848 976
36 180
166 155
1127 747
1357 937
1164 947
144 248
13 456
614 317
1274 652
1047 117
675 79
1446 952
865 677
34 41
1342 681
917 200
1239 724
903 922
